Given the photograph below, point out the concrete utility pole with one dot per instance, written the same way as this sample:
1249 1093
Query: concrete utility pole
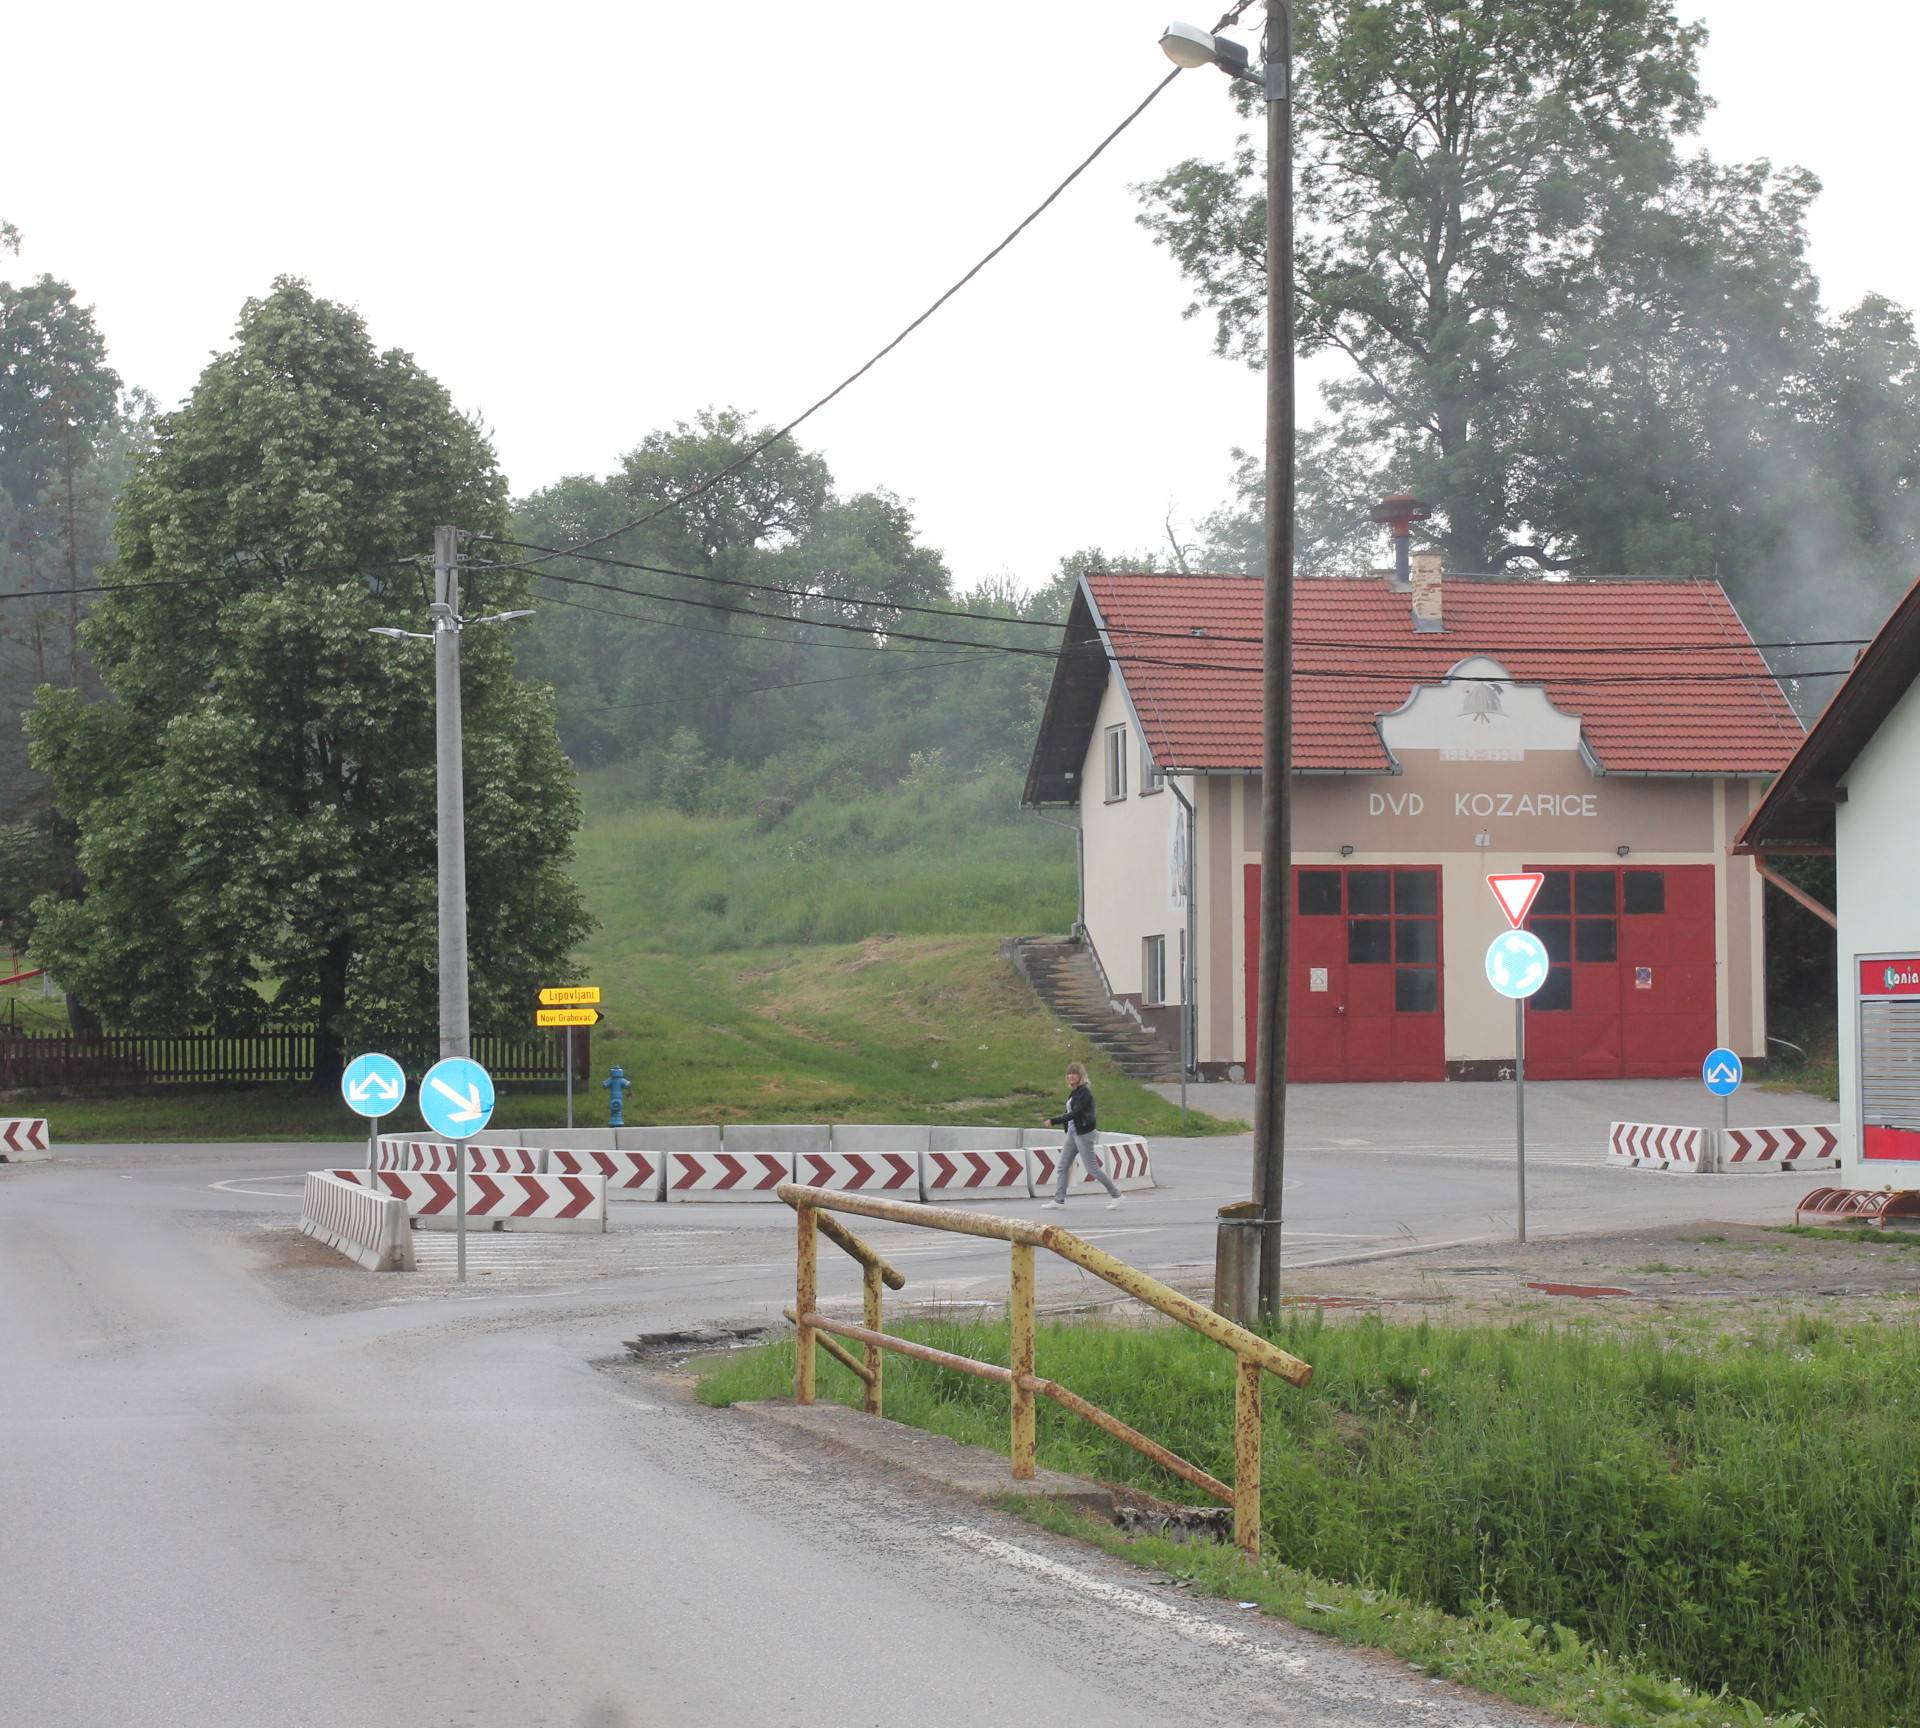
1276 834
449 785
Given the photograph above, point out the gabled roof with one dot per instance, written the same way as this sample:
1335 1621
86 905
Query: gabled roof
1798 807
1662 672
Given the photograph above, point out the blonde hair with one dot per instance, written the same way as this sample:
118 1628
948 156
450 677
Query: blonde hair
1076 1068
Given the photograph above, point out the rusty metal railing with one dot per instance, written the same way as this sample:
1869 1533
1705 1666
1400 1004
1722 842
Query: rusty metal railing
813 1207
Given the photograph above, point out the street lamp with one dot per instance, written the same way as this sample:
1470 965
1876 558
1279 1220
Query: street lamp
456 1037
1189 46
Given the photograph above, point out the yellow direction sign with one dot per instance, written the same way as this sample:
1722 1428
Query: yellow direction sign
566 1017
568 995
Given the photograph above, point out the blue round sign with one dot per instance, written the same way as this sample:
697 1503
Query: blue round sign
1517 963
373 1084
456 1097
1721 1073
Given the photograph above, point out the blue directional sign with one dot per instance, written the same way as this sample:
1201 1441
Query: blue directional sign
456 1097
1721 1072
1517 963
373 1084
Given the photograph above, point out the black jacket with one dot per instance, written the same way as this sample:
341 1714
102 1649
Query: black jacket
1079 1111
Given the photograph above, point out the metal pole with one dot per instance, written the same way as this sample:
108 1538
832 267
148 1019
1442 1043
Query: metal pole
1520 1106
1189 1024
1276 838
373 1139
569 1078
455 1036
460 1210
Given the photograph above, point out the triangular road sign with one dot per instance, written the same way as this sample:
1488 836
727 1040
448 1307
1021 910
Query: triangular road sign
1515 893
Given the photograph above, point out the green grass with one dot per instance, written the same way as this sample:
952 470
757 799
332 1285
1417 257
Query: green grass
1896 1237
1737 1512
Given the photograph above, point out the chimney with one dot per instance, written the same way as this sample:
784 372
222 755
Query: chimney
1429 566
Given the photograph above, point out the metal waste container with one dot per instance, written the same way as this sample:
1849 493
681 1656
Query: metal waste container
1236 1262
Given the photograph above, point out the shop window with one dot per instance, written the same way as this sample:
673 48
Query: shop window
1369 941
1153 971
1593 893
1555 996
1116 763
1319 893
1416 941
1416 990
1644 891
1369 891
1555 896
1416 892
1556 936
1593 940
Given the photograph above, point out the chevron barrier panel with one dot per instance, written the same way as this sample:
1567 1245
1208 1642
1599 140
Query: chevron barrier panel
1129 1162
988 1173
727 1175
394 1154
515 1201
894 1174
1801 1149
628 1175
369 1228
1656 1146
24 1139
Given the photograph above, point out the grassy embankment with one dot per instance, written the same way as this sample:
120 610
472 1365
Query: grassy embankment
840 964
1566 1517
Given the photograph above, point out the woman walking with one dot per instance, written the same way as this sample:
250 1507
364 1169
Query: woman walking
1080 1124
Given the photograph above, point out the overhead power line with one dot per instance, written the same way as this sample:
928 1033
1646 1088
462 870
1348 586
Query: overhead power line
204 581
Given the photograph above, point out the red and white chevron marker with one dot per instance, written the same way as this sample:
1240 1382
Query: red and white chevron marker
1657 1146
995 1175
426 1192
1129 1162
516 1201
24 1139
727 1175
894 1174
629 1175
1802 1148
438 1155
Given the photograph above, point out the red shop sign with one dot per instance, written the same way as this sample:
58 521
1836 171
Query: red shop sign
1897 977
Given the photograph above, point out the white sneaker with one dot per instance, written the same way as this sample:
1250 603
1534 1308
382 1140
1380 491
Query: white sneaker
1045 1204
1115 1201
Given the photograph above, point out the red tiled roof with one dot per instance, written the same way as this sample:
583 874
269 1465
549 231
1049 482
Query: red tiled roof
1713 707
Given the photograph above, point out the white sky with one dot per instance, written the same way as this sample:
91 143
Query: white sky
590 221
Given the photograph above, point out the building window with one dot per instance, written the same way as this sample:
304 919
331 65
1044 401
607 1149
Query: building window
1153 971
1597 897
1116 763
1151 779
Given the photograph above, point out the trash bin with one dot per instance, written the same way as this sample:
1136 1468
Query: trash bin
1236 1262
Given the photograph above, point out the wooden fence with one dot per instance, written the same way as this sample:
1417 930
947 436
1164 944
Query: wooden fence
35 1061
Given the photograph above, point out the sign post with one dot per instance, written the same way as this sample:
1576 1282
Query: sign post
562 997
372 1085
1721 1074
1517 965
456 1098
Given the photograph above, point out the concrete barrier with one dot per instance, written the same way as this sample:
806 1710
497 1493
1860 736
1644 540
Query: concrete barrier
1659 1146
369 1228
780 1137
628 1175
574 1139
894 1174
438 1155
1129 1161
683 1137
1798 1150
24 1139
726 1175
962 1164
878 1137
498 1200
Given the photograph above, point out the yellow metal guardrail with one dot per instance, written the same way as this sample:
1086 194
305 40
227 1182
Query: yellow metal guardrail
814 1209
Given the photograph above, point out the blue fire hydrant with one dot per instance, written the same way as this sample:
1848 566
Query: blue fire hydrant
617 1086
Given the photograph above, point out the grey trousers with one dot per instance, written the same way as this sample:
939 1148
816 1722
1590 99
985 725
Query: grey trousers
1082 1144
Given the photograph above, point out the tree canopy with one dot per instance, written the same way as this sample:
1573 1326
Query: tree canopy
254 803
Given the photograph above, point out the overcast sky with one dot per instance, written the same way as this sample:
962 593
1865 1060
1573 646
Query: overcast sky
591 221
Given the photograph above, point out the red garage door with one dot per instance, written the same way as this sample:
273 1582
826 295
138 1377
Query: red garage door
1364 982
1631 991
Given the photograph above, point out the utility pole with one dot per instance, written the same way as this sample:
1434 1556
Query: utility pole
449 786
1276 830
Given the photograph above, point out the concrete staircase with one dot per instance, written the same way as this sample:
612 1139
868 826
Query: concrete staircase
1063 975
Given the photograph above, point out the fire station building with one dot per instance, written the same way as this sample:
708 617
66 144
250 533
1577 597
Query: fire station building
1613 734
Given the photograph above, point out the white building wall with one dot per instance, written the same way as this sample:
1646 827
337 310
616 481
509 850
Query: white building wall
1877 841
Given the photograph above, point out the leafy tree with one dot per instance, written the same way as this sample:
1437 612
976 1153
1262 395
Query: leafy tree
1583 346
255 803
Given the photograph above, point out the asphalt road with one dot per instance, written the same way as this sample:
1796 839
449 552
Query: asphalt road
246 1485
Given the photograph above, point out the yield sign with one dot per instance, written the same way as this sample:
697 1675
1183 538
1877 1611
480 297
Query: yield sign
1515 893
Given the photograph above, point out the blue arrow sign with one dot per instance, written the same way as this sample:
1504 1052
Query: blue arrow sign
1721 1073
1517 963
373 1084
456 1097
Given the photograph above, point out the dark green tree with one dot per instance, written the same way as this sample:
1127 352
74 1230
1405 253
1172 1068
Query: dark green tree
254 802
